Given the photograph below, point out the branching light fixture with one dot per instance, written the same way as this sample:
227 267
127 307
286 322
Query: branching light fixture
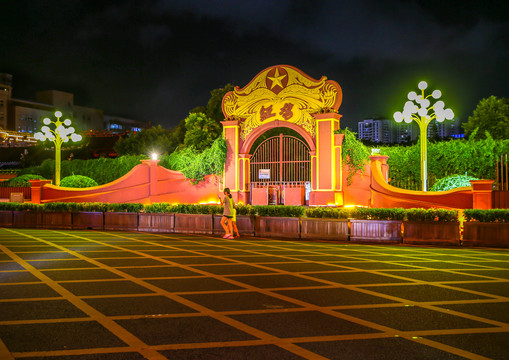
419 109
61 133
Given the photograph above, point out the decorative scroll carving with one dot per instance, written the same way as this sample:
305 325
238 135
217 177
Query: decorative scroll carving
281 93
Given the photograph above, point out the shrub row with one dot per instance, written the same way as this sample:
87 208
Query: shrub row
70 207
384 214
493 215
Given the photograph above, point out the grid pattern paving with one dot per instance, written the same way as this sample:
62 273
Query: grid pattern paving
121 295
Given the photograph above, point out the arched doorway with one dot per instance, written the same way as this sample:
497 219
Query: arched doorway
280 167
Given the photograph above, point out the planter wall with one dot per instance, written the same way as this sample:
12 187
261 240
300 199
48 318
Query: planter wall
6 218
415 232
56 220
91 220
431 233
26 219
380 231
245 225
123 221
325 229
279 227
194 223
486 234
163 223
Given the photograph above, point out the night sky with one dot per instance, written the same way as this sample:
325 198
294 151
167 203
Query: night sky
156 60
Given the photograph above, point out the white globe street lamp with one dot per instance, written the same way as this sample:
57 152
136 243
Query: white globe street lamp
60 134
419 109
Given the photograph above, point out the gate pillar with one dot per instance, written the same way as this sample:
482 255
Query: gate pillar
326 168
231 131
244 178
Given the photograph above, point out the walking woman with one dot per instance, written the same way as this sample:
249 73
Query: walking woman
227 214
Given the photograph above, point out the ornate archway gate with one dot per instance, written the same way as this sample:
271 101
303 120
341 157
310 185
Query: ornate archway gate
283 96
280 170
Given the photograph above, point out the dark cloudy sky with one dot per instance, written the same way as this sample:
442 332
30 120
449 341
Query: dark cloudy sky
154 60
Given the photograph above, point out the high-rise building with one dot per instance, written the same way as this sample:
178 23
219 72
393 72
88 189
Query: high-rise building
376 130
445 129
385 131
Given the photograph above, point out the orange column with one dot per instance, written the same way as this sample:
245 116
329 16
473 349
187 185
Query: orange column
482 194
36 190
153 194
244 178
231 133
326 163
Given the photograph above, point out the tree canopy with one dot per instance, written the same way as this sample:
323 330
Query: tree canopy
201 131
492 115
214 110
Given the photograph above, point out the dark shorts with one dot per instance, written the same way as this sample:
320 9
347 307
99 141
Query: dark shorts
227 216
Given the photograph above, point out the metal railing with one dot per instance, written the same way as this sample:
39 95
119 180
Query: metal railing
5 191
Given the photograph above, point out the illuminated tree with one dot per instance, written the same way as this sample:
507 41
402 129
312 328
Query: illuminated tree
423 113
61 133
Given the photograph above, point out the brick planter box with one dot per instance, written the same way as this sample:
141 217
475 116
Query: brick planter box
163 223
6 218
325 229
194 223
486 234
379 231
26 219
92 220
123 221
278 227
431 233
56 220
245 224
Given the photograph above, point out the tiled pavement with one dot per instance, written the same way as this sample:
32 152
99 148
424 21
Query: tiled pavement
112 295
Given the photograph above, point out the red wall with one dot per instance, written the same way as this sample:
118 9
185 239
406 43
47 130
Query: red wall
145 183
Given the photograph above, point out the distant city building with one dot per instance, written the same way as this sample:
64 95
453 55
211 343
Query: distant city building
387 131
405 133
25 116
377 131
117 125
445 129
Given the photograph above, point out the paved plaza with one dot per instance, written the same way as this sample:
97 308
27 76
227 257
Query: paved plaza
124 295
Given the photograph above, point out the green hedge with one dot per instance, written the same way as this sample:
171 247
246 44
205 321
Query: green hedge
101 170
431 215
22 180
158 208
269 210
452 182
477 158
9 206
77 181
328 212
492 215
69 207
378 214
278 211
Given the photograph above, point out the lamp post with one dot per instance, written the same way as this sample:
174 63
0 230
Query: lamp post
60 134
423 115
